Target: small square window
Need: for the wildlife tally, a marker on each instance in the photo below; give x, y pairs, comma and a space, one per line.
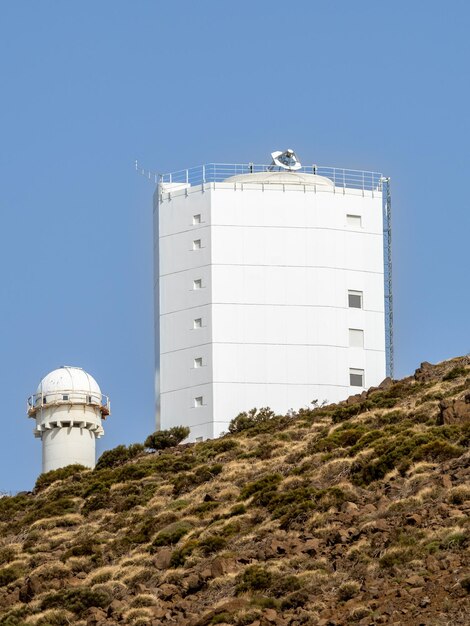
199, 439
198, 401
197, 323
356, 338
65, 397
354, 220
197, 284
355, 299
196, 219
197, 244
356, 378
198, 362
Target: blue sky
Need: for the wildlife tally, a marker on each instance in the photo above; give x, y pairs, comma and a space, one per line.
87, 87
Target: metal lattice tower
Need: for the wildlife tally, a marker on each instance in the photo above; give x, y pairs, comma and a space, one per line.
387, 213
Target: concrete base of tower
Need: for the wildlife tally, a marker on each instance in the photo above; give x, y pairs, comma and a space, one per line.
68, 446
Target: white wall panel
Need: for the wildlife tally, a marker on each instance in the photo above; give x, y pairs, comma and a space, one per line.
276, 265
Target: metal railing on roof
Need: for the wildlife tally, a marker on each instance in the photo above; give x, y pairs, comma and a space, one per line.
38, 401
220, 172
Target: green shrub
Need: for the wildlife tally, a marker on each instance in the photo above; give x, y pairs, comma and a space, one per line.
170, 535
118, 456
246, 619
343, 412
203, 474
344, 436
76, 600
50, 508
264, 451
162, 439
14, 617
221, 618
247, 420
131, 472
295, 600
348, 590
96, 502
205, 507
9, 575
142, 601
455, 372
55, 618
212, 544
142, 533
458, 495
179, 556
237, 509
378, 399
10, 505
294, 507
7, 554
399, 447
396, 556
262, 489
209, 449
284, 584
44, 480
429, 397
85, 546
457, 539
254, 578
436, 451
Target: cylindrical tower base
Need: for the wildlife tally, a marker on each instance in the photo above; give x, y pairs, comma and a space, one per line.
67, 445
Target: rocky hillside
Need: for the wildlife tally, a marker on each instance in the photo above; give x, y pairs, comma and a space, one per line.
355, 513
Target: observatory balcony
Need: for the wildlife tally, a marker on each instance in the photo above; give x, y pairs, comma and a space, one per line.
39, 401
220, 172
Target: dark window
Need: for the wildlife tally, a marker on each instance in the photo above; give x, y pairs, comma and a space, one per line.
355, 299
356, 378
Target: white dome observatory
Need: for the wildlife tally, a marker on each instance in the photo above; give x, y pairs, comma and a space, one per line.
68, 407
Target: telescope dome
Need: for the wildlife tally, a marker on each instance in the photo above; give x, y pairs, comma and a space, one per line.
69, 380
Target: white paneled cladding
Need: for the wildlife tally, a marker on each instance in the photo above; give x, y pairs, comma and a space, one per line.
356, 338
268, 295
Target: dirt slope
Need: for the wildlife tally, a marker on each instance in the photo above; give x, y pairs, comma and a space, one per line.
347, 514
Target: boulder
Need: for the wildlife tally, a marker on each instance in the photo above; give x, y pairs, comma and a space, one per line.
95, 616
167, 591
424, 372
454, 411
220, 567
163, 558
350, 507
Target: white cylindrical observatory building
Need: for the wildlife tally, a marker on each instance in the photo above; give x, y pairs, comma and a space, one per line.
270, 289
68, 407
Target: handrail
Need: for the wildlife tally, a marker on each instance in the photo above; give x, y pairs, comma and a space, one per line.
75, 396
219, 172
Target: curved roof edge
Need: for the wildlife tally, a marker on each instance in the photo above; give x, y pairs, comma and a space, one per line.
281, 178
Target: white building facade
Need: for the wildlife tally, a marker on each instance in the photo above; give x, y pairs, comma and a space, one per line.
269, 291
